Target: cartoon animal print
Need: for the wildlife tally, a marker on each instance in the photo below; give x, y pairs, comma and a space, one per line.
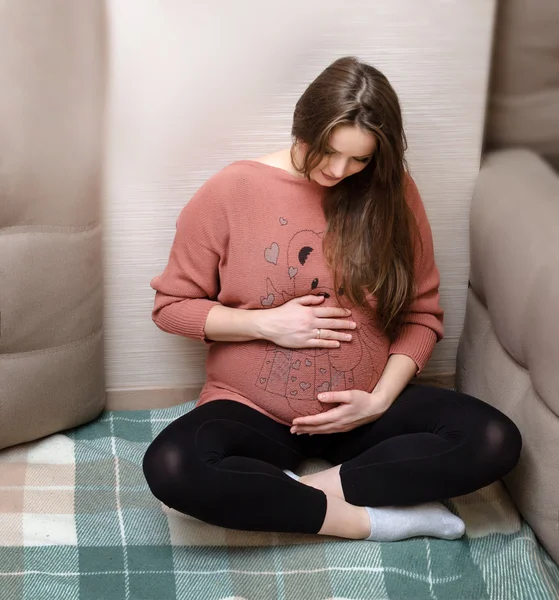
300, 375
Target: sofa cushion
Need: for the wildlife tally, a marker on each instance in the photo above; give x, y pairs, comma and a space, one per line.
55, 296
524, 95
514, 241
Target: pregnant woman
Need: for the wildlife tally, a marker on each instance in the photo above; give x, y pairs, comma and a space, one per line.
310, 275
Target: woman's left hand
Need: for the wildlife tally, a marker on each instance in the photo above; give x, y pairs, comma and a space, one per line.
355, 408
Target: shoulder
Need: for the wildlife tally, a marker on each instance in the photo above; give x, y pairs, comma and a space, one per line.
414, 201
239, 174
416, 206
231, 184
411, 192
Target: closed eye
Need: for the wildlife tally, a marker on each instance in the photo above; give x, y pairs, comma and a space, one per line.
361, 159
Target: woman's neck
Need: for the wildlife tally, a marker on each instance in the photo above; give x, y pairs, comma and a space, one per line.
282, 160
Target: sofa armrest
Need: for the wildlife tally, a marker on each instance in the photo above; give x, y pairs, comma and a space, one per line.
509, 348
514, 239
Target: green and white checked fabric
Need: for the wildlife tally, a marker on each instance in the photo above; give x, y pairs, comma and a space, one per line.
77, 521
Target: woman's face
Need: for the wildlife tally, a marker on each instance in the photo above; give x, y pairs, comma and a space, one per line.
348, 152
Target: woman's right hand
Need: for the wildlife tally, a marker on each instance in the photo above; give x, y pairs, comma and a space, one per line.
295, 324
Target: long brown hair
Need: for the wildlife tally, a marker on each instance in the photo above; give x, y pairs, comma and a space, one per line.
370, 232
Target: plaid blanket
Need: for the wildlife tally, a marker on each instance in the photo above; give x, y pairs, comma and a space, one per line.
77, 521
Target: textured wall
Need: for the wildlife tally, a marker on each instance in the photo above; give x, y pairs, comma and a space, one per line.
194, 88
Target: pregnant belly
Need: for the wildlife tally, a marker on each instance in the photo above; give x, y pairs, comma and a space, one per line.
286, 382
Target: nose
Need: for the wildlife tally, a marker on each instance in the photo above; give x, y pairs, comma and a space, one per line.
337, 166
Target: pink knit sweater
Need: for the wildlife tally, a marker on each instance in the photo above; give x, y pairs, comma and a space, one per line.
251, 238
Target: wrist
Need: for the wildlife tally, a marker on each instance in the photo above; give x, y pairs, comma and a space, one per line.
380, 398
256, 324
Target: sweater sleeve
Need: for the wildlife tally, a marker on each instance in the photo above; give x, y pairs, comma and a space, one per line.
187, 289
423, 323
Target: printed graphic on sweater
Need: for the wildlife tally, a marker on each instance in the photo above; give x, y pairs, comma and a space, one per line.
300, 375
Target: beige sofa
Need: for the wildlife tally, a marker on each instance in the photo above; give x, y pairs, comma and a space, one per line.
51, 292
509, 349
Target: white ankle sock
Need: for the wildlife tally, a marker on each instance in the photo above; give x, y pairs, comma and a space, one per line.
391, 523
291, 474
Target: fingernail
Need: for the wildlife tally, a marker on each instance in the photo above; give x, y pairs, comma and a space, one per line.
353, 325
348, 337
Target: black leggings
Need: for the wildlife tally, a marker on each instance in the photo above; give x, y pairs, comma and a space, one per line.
222, 462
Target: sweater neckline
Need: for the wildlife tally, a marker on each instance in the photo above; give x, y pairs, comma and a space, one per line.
282, 173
